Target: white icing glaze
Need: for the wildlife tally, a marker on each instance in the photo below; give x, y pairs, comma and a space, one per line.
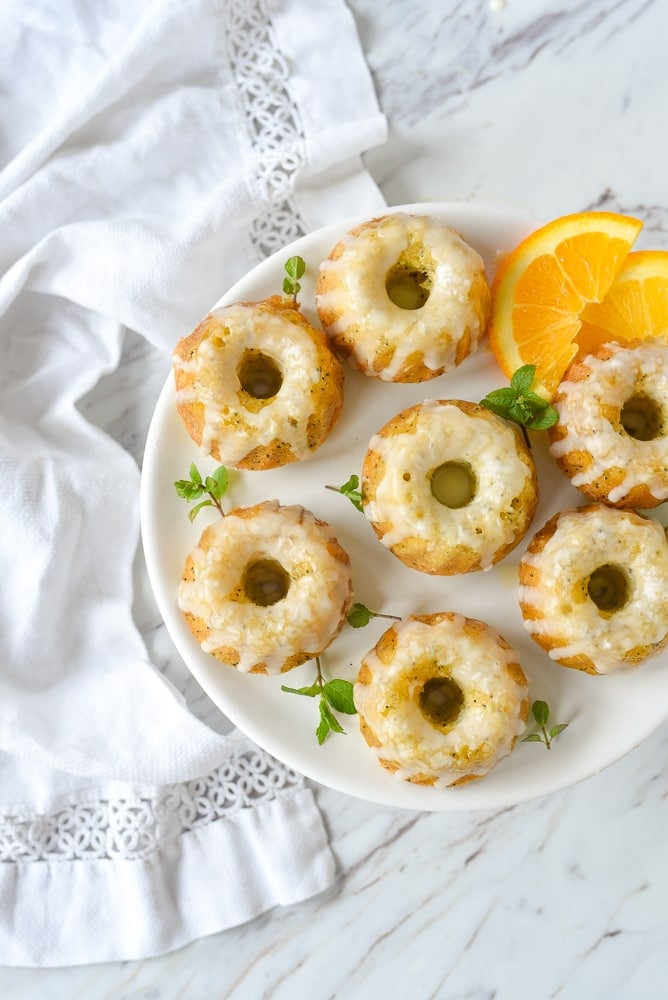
583, 541
236, 429
305, 620
490, 717
630, 371
362, 301
444, 433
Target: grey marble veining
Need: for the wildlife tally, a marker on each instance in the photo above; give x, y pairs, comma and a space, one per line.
552, 107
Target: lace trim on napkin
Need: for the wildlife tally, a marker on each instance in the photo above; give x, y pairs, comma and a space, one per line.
132, 828
272, 120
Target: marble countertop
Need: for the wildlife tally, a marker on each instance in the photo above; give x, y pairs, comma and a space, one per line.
552, 108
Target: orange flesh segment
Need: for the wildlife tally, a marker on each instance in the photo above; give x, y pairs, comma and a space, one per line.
636, 306
546, 285
592, 261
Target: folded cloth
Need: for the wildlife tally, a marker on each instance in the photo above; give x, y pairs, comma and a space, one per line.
150, 154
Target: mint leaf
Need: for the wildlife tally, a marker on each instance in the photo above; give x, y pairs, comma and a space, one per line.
339, 694
216, 485
535, 401
331, 720
519, 412
322, 732
336, 693
501, 397
543, 419
328, 723
541, 712
311, 691
194, 511
222, 478
500, 409
191, 489
350, 489
188, 490
523, 378
295, 268
359, 616
518, 403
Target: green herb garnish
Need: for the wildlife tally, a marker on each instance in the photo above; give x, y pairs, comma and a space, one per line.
295, 268
541, 713
336, 694
350, 490
214, 486
359, 616
518, 403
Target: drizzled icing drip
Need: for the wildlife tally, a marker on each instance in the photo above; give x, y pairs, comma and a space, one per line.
359, 299
557, 607
494, 692
589, 418
227, 420
304, 621
403, 499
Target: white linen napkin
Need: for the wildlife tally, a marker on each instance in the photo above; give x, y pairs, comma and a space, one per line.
150, 154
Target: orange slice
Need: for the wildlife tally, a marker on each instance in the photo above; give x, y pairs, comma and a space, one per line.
636, 306
542, 288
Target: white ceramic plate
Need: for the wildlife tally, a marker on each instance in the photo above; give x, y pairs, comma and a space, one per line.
607, 716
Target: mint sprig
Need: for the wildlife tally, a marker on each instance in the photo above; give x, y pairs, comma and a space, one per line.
213, 486
517, 402
295, 268
359, 616
351, 490
541, 713
335, 696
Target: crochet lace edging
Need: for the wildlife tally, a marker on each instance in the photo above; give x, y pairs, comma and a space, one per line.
133, 827
272, 121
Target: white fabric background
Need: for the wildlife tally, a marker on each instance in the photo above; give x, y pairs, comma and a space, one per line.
150, 154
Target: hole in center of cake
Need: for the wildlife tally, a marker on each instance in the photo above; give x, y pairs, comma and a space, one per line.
265, 582
453, 484
641, 418
409, 281
608, 588
259, 375
441, 700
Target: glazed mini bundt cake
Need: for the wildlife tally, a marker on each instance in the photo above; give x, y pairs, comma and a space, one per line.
403, 297
256, 385
593, 588
441, 699
611, 438
449, 487
266, 588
